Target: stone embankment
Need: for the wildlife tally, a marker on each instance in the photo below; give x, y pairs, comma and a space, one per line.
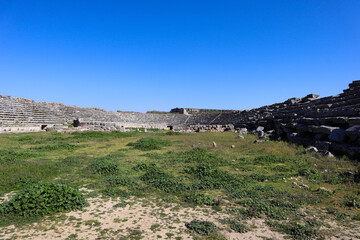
330, 123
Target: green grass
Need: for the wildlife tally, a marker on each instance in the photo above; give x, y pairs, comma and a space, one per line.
148, 144
254, 179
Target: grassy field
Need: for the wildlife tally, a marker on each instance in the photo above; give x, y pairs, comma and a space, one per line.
182, 185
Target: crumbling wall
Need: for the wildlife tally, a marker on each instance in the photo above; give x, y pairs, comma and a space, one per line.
329, 123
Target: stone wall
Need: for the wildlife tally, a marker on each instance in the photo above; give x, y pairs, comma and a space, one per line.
329, 123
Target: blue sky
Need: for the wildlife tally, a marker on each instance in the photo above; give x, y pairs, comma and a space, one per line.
156, 55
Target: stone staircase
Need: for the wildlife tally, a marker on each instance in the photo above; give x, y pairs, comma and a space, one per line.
22, 113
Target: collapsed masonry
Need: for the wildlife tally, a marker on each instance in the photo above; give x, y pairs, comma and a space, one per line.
329, 123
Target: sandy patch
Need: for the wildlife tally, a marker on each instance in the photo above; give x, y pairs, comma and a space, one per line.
149, 218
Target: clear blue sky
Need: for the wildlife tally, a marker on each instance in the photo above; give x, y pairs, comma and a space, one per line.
156, 55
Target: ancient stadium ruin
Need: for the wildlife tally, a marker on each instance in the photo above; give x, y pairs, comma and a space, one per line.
331, 124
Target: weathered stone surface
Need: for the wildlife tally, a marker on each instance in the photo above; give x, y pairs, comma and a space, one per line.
338, 135
322, 145
260, 128
243, 131
354, 121
260, 134
322, 129
302, 128
353, 131
320, 136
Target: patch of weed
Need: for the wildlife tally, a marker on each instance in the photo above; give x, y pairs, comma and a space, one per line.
42, 199
164, 181
203, 228
104, 166
199, 198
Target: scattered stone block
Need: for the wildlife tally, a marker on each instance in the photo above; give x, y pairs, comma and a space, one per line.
311, 149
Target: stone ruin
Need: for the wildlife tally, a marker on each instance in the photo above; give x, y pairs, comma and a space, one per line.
329, 124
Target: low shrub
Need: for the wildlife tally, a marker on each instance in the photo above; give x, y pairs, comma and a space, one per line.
42, 199
104, 166
351, 201
144, 166
211, 177
203, 228
297, 231
25, 181
199, 155
164, 181
239, 227
274, 209
200, 198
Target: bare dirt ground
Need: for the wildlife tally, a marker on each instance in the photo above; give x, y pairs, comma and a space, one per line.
133, 219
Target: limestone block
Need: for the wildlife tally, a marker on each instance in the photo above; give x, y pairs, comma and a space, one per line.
353, 131
322, 129
354, 121
338, 135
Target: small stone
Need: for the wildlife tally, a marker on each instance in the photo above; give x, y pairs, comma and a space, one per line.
214, 144
304, 186
259, 128
232, 146
324, 189
233, 160
260, 134
194, 145
243, 131
303, 214
311, 149
329, 154
236, 169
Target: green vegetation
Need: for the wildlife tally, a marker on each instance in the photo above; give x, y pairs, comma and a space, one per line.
203, 228
104, 166
148, 144
251, 181
42, 199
